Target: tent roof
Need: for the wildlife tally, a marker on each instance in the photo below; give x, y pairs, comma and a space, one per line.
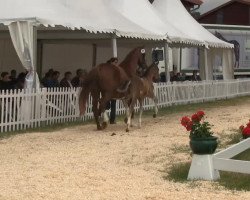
174, 12
94, 16
142, 12
127, 18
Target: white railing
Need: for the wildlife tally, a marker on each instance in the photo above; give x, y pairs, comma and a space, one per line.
21, 109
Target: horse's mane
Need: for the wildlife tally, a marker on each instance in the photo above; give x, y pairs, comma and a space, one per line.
126, 61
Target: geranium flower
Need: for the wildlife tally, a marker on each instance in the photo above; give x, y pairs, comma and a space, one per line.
195, 118
200, 113
196, 128
185, 120
246, 131
189, 126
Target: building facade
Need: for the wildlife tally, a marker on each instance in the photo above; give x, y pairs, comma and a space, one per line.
235, 12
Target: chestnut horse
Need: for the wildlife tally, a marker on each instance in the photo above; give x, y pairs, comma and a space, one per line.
110, 81
139, 89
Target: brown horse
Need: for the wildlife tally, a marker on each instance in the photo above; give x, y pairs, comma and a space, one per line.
139, 89
110, 81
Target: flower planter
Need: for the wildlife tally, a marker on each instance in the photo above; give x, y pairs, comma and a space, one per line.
203, 146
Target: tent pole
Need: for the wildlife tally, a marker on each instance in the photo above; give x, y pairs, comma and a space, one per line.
179, 68
114, 46
35, 54
205, 63
166, 50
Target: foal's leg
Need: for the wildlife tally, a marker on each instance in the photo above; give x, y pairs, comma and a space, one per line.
129, 113
140, 111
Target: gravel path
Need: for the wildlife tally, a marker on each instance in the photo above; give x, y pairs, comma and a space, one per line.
81, 163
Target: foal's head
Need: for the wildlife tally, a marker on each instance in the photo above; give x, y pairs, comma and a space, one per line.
153, 72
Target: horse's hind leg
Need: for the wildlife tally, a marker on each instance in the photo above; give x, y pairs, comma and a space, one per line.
96, 113
156, 107
102, 109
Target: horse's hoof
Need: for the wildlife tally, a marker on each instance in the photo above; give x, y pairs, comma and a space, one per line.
99, 128
154, 115
127, 130
104, 125
126, 120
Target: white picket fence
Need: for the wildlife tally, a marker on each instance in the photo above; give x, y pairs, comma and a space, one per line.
22, 109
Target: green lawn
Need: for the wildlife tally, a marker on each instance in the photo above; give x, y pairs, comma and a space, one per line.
229, 180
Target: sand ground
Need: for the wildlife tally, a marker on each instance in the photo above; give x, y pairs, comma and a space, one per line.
81, 163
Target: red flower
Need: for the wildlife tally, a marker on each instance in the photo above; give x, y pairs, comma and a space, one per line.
246, 131
200, 113
189, 126
185, 120
195, 118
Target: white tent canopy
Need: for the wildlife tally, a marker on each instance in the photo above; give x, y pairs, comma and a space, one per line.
142, 12
94, 16
174, 12
126, 18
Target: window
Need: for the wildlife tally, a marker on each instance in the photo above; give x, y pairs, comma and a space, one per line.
157, 55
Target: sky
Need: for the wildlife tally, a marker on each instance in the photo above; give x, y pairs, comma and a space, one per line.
210, 4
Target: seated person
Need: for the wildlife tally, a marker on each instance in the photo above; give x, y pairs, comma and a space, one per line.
66, 81
195, 77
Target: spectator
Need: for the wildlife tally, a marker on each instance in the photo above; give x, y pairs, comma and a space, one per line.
20, 81
77, 81
54, 79
5, 83
47, 80
66, 81
174, 76
195, 77
13, 76
112, 103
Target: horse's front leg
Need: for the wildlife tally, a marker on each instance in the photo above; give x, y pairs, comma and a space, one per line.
156, 107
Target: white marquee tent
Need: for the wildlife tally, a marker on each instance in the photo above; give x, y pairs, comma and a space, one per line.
175, 12
126, 18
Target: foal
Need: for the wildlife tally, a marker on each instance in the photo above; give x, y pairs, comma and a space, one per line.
139, 89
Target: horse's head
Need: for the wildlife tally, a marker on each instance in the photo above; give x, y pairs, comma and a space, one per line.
153, 72
135, 58
140, 55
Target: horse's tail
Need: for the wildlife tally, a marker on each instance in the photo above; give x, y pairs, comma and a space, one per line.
84, 95
83, 98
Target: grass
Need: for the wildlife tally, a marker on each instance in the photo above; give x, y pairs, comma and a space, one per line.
180, 149
229, 139
232, 181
